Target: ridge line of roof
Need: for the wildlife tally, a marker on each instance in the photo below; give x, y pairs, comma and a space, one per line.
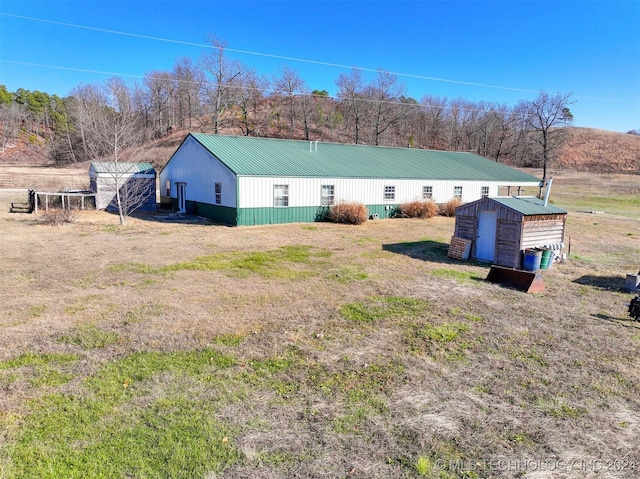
242, 137
258, 156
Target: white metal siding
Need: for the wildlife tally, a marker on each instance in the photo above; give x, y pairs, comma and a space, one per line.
257, 192
200, 170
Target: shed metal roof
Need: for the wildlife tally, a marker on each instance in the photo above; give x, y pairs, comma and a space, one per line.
122, 167
250, 156
528, 206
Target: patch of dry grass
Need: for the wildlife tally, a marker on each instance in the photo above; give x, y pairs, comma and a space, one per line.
386, 359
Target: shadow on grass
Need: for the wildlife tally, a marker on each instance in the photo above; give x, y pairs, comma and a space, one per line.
170, 217
428, 250
627, 322
607, 283
425, 250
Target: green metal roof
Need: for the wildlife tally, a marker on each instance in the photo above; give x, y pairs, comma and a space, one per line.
250, 156
121, 167
529, 206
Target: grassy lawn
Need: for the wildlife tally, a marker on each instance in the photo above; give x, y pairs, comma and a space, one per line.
187, 350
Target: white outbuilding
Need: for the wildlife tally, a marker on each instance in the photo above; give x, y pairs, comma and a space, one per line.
136, 181
243, 181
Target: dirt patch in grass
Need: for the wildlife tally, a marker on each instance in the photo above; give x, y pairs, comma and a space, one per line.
314, 350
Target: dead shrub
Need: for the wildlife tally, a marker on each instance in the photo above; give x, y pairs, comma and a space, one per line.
418, 209
348, 213
449, 208
58, 217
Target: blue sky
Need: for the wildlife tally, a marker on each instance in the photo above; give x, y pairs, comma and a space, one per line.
498, 51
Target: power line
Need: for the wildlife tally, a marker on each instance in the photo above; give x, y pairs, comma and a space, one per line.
280, 57
267, 55
359, 98
470, 107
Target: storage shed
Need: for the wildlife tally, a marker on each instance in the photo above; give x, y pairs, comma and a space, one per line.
245, 181
501, 229
136, 181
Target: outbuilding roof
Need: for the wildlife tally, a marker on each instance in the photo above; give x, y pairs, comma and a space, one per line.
528, 205
121, 167
251, 156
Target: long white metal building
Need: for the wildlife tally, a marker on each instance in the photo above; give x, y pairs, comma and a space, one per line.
244, 181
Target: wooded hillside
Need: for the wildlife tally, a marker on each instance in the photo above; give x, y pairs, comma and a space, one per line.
149, 122
586, 149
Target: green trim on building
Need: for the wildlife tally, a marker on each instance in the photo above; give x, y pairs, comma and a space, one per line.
383, 211
168, 202
309, 214
217, 213
291, 214
267, 216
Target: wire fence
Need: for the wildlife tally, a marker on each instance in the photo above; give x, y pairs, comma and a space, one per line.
44, 182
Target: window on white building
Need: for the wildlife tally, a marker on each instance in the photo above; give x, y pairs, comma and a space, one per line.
280, 195
327, 195
457, 192
168, 187
389, 193
218, 193
485, 191
427, 192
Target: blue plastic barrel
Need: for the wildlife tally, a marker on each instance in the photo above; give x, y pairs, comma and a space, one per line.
531, 260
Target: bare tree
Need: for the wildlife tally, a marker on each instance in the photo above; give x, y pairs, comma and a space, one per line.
189, 81
160, 91
291, 86
435, 110
351, 93
225, 75
334, 119
407, 129
11, 116
384, 95
112, 131
250, 95
544, 115
501, 129
308, 106
87, 102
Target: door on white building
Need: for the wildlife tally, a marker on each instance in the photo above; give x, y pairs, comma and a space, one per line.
181, 192
486, 239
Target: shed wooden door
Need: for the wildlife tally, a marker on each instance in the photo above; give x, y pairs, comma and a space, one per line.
486, 239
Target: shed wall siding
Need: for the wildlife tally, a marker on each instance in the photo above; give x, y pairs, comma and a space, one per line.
466, 227
508, 243
104, 185
540, 233
105, 192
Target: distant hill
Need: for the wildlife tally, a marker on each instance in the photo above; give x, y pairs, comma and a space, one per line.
599, 151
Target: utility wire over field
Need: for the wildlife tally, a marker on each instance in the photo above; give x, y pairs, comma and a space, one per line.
226, 95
